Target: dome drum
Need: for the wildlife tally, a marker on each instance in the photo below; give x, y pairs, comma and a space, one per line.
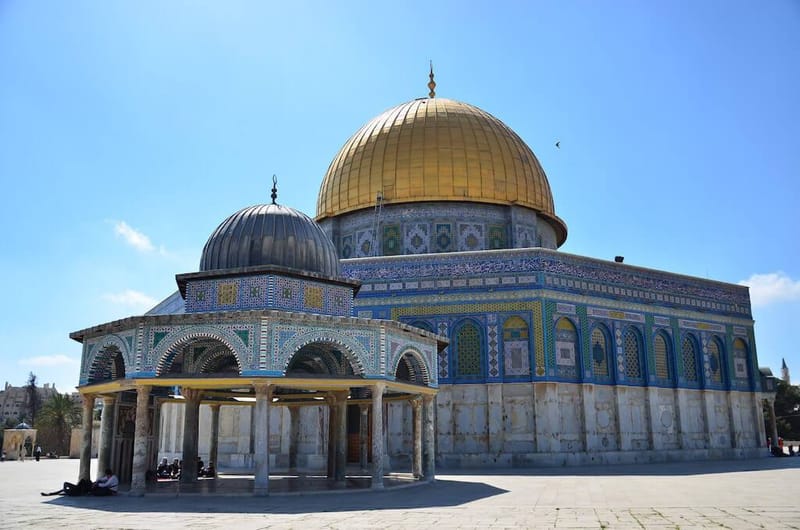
436, 150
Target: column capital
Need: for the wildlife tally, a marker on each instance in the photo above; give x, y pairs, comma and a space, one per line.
214, 406
428, 398
263, 390
109, 400
88, 398
144, 389
378, 387
193, 395
416, 402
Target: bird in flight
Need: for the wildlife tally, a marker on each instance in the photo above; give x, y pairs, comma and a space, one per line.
558, 144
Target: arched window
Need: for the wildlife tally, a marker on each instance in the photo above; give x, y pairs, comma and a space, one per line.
661, 352
715, 360
689, 357
468, 350
566, 345
633, 349
515, 347
600, 351
740, 369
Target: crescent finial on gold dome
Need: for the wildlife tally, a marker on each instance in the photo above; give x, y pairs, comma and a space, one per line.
274, 189
431, 84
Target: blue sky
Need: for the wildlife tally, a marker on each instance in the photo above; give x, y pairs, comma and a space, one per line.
129, 130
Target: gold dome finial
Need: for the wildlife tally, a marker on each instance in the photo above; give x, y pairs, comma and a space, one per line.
432, 84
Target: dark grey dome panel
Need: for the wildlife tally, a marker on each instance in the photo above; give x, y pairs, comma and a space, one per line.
270, 234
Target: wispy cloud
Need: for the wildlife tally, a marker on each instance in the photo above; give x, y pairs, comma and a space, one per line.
131, 298
772, 287
133, 237
49, 360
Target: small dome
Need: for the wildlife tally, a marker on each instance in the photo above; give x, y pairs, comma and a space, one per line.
436, 149
23, 426
270, 234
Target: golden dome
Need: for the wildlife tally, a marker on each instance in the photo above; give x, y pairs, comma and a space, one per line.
435, 149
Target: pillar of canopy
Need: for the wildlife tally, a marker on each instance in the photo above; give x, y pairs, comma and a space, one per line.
84, 469
337, 390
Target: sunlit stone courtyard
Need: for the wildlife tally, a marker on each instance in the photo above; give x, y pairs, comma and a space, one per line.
760, 493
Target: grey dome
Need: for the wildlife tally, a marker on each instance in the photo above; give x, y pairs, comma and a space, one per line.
270, 234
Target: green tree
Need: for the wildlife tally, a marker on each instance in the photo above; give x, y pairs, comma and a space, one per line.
58, 416
33, 398
787, 410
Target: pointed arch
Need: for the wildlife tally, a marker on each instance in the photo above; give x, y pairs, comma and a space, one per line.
662, 353
689, 358
600, 344
632, 347
174, 342
567, 348
468, 349
411, 367
741, 358
716, 369
516, 347
352, 350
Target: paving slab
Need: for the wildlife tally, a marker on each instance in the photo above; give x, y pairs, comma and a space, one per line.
758, 493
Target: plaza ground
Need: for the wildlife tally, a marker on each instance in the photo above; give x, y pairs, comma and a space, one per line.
761, 493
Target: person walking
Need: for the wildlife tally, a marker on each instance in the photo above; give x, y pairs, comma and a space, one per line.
37, 453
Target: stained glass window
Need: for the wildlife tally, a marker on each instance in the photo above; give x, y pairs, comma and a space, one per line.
599, 352
689, 354
515, 347
661, 351
633, 368
468, 355
714, 361
566, 340
740, 359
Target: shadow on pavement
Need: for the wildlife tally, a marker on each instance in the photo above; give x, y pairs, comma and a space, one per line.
441, 493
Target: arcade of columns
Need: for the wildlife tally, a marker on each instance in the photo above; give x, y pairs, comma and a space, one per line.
422, 404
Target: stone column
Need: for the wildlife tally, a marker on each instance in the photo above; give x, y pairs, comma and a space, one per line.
416, 420
294, 435
214, 442
261, 426
84, 471
377, 435
142, 429
341, 437
106, 434
429, 471
363, 436
191, 426
330, 399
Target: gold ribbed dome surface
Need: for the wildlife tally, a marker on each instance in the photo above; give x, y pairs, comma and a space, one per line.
435, 149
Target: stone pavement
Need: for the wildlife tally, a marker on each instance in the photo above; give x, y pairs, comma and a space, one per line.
759, 493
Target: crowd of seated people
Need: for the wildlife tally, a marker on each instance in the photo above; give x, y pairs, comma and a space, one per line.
165, 470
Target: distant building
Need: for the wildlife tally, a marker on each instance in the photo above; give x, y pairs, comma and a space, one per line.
14, 399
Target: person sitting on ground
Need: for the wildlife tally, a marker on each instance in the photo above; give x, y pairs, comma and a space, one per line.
176, 469
200, 466
106, 485
209, 471
72, 490
163, 470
